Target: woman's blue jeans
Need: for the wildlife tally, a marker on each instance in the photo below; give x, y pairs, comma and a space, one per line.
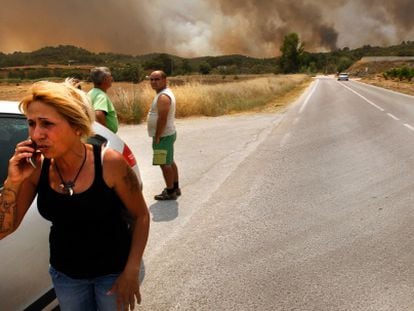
84, 294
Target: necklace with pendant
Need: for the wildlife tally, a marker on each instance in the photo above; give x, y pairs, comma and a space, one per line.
67, 186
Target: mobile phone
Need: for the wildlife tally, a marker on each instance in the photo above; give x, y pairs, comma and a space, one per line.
32, 159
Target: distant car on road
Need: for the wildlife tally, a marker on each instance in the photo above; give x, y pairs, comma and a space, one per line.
24, 255
343, 76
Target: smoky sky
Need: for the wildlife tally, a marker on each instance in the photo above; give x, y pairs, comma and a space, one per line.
191, 28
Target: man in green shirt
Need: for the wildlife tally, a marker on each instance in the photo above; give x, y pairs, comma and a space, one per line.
104, 109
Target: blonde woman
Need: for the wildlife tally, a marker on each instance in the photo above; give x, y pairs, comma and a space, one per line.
94, 258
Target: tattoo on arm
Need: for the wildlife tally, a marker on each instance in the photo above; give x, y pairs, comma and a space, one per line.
8, 209
131, 179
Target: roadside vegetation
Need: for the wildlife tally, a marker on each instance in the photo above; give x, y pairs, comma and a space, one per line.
197, 95
403, 73
197, 98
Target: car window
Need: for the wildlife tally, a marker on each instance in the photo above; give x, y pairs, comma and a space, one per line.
13, 129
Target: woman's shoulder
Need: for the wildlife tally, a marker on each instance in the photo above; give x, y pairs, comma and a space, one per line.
112, 158
114, 165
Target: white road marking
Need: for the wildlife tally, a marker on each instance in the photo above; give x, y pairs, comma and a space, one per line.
308, 97
409, 126
392, 116
363, 97
384, 89
378, 107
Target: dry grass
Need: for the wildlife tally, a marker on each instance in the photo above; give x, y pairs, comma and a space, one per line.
225, 98
210, 95
198, 96
13, 91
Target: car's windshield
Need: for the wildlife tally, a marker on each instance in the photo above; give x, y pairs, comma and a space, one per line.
13, 129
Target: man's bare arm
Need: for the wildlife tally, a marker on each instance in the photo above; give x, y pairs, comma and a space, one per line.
100, 117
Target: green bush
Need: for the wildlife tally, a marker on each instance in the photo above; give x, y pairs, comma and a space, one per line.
404, 73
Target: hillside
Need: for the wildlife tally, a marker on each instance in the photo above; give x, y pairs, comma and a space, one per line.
65, 60
66, 55
368, 66
371, 70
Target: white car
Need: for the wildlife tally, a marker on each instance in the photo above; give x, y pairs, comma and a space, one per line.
24, 255
343, 77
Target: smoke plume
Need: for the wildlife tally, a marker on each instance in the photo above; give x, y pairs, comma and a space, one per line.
203, 27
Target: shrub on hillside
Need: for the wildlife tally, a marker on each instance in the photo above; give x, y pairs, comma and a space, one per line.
403, 73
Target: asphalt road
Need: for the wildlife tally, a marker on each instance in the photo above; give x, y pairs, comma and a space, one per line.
310, 209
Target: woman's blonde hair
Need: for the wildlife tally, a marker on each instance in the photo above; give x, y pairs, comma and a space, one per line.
70, 102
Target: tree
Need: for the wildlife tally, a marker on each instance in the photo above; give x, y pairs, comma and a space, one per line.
344, 63
16, 74
131, 73
162, 62
204, 68
292, 50
186, 67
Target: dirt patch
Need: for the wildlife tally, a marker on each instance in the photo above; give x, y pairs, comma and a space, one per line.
371, 66
13, 91
394, 85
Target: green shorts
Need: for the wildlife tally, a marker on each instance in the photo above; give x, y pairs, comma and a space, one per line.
164, 151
